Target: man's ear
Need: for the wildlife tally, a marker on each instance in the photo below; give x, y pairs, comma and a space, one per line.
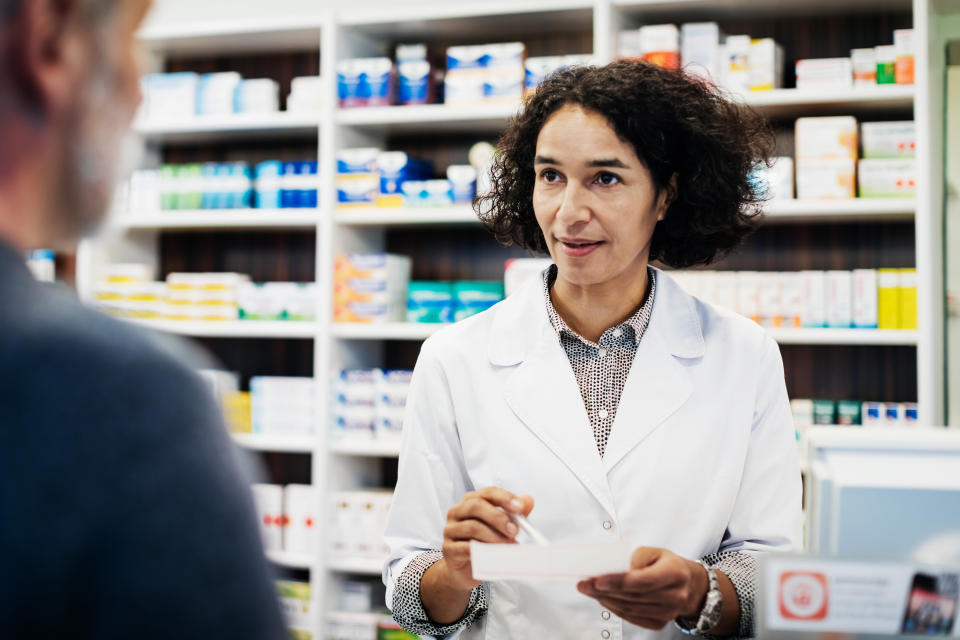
43, 52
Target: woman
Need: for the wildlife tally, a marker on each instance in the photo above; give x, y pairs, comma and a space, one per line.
625, 408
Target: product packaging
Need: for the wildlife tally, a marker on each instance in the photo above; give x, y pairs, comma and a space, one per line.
908, 298
736, 69
427, 193
766, 64
392, 388
864, 67
268, 500
470, 298
518, 271
414, 75
829, 137
886, 64
365, 82
463, 182
216, 92
865, 299
748, 294
903, 64
839, 299
848, 413
660, 44
824, 412
283, 405
267, 184
430, 302
371, 287
888, 299
824, 73
301, 529
888, 139
791, 300
257, 95
306, 95
873, 414
887, 178
700, 49
769, 308
826, 178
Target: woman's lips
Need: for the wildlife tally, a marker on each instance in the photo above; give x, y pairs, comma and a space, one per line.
579, 248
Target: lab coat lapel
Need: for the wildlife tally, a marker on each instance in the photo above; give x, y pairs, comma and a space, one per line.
542, 391
658, 383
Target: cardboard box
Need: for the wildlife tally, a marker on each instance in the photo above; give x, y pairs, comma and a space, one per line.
826, 179
888, 139
865, 299
660, 44
813, 286
766, 65
903, 64
736, 67
700, 50
908, 298
864, 67
830, 137
887, 178
839, 299
888, 299
824, 72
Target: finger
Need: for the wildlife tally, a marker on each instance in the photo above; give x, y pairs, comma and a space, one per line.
474, 530
527, 504
479, 508
505, 499
644, 557
657, 576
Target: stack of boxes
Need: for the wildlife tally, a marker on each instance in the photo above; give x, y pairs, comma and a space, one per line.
537, 69
178, 96
887, 168
297, 607
819, 412
287, 301
859, 299
221, 185
203, 296
288, 517
358, 520
826, 155
369, 405
432, 302
414, 75
887, 64
365, 82
283, 405
485, 74
370, 287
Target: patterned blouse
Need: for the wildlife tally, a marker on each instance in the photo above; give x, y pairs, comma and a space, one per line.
601, 370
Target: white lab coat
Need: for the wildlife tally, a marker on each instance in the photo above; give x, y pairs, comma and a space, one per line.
701, 457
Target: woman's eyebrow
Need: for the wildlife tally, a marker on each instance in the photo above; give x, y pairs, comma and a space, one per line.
545, 160
612, 162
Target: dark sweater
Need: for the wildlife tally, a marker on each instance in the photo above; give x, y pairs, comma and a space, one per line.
124, 509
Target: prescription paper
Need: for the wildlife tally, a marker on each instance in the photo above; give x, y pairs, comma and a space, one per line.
548, 561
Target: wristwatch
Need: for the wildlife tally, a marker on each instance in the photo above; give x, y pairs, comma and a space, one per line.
712, 607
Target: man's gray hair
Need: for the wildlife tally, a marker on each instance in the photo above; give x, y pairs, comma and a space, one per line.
92, 9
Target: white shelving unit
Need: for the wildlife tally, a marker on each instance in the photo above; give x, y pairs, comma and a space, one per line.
217, 219
355, 31
276, 443
234, 329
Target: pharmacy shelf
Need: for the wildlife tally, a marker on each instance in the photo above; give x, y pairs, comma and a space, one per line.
278, 443
360, 566
230, 127
385, 330
406, 216
292, 560
234, 328
231, 35
371, 449
848, 337
436, 118
217, 219
689, 10
414, 331
776, 104
794, 103
850, 210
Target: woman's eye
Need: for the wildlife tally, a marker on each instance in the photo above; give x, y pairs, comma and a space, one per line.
607, 179
549, 175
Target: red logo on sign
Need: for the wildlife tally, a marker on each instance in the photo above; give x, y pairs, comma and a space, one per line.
804, 596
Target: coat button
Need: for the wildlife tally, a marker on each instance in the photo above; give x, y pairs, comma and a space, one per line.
607, 525
604, 634
605, 615
617, 333
603, 413
601, 352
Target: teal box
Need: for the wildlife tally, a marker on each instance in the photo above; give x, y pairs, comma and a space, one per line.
430, 302
470, 298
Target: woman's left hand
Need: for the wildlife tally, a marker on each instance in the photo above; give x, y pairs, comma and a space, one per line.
659, 588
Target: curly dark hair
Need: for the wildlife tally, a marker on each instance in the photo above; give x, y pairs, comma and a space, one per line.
677, 124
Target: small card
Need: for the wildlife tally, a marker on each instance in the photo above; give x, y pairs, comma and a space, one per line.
548, 561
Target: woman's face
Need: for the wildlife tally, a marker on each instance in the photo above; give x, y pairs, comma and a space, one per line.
594, 200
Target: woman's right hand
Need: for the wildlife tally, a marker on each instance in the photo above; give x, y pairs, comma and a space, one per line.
477, 517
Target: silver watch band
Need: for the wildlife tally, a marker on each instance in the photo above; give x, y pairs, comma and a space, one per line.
712, 607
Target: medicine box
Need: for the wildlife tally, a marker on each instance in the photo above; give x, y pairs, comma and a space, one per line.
829, 137
736, 66
903, 63
864, 62
430, 302
839, 299
257, 95
463, 182
427, 193
268, 501
216, 92
886, 56
888, 299
766, 65
824, 72
888, 139
518, 272
908, 298
470, 298
700, 49
395, 168
776, 181
865, 299
301, 529
887, 178
660, 44
826, 178
363, 82
813, 285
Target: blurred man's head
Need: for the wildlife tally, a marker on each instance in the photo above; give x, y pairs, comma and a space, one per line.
69, 87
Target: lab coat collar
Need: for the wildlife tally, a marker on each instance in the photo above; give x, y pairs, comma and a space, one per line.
543, 392
522, 317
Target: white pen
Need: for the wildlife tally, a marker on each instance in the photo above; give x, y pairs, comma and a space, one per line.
527, 528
